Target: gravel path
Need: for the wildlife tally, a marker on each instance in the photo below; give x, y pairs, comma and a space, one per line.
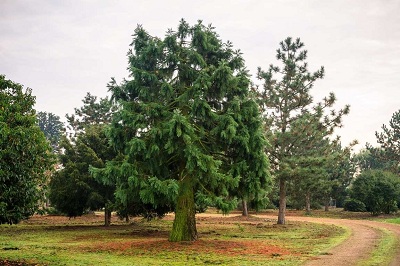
365, 235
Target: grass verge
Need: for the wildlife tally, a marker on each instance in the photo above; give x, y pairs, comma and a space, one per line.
393, 220
385, 251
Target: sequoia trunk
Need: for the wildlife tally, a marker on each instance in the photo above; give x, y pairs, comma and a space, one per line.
184, 227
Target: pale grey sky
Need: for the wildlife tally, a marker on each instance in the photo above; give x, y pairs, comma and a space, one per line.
63, 49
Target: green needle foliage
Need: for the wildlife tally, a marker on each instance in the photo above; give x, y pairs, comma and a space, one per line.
25, 155
186, 128
389, 139
295, 124
73, 190
321, 173
94, 112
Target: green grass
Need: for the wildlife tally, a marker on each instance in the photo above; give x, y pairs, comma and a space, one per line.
393, 220
385, 251
223, 241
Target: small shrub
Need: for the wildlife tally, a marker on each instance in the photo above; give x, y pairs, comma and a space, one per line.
52, 211
353, 205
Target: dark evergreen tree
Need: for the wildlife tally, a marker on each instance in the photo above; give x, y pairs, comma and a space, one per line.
379, 190
293, 122
187, 126
341, 169
25, 155
72, 189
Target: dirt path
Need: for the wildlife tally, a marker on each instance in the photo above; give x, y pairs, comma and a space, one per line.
364, 237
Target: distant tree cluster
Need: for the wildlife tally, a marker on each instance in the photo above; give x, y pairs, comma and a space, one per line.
378, 185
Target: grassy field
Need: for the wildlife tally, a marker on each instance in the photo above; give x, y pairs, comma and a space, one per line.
54, 240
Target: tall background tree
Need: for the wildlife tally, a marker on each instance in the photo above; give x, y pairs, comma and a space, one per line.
25, 155
389, 140
371, 158
72, 189
52, 128
292, 118
186, 125
341, 170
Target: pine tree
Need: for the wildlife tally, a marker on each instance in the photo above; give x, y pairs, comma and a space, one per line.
324, 172
291, 118
93, 112
389, 139
340, 168
186, 126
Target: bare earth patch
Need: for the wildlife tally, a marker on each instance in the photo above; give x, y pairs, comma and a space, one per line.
220, 247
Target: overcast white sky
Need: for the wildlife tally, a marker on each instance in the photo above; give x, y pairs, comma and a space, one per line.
64, 49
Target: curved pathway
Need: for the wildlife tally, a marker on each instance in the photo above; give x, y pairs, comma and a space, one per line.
365, 235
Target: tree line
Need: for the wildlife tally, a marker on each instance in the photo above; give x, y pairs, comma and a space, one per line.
189, 129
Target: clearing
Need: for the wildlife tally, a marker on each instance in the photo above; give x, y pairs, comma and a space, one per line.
223, 239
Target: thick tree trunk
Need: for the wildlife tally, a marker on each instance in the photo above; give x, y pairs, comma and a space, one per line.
282, 202
107, 216
184, 227
244, 206
308, 202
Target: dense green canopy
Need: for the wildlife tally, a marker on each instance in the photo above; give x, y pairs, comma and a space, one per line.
25, 155
186, 126
73, 190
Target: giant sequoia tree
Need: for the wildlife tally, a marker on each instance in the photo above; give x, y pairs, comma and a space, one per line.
25, 155
186, 125
293, 120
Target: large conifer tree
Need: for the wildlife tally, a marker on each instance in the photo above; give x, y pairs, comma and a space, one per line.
186, 125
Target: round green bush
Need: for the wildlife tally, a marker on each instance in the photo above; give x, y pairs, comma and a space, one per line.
353, 205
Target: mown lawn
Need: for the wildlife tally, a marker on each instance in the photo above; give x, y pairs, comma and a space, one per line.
52, 240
